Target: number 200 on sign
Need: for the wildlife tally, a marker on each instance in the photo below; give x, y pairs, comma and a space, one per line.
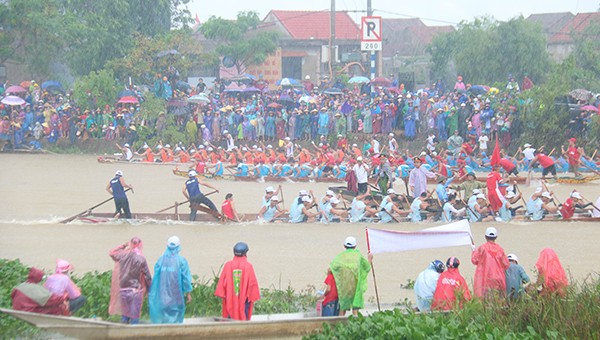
370, 46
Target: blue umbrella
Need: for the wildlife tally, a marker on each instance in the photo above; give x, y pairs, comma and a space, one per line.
51, 83
358, 80
287, 82
333, 91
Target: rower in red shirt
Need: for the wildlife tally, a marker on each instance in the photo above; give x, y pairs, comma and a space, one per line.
567, 209
493, 188
573, 157
508, 166
148, 155
228, 209
546, 162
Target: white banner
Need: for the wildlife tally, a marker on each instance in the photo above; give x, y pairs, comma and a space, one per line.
448, 235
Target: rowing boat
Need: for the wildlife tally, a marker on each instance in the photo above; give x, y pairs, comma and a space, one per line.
293, 325
113, 160
577, 180
142, 217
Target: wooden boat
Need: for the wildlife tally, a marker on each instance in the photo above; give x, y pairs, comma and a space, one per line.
111, 160
260, 327
577, 180
147, 217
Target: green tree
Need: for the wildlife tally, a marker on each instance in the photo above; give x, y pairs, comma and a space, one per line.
97, 89
485, 51
587, 49
144, 60
240, 39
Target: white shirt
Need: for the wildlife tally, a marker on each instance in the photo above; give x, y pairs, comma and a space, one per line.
483, 142
529, 153
375, 145
362, 172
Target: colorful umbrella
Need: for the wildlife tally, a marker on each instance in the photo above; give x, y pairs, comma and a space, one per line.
199, 98
274, 106
287, 82
381, 81
251, 89
51, 83
15, 89
358, 80
581, 94
12, 100
128, 100
126, 93
589, 108
333, 91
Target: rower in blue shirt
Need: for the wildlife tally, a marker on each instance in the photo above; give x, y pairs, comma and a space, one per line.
116, 187
191, 190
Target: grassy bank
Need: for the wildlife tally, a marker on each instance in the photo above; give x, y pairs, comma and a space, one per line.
534, 317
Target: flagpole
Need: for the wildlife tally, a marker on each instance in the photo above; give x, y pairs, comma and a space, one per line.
373, 270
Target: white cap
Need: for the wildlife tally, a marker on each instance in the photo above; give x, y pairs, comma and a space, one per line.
491, 232
146, 146
244, 148
126, 145
303, 193
546, 194
259, 149
210, 149
203, 126
200, 146
177, 149
159, 147
359, 158
354, 145
577, 195
329, 193
306, 199
119, 173
476, 191
350, 242
527, 145
423, 153
275, 198
270, 189
391, 191
192, 173
173, 242
168, 146
510, 194
482, 196
192, 150
225, 132
287, 138
512, 257
391, 134
254, 146
269, 146
334, 200
340, 136
538, 190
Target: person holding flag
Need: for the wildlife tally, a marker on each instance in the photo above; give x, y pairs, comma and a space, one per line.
493, 181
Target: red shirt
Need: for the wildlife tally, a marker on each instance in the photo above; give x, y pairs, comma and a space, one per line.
545, 161
332, 295
227, 210
568, 209
506, 164
573, 155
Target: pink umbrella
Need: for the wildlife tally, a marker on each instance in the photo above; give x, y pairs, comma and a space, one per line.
12, 100
380, 81
128, 100
15, 89
589, 108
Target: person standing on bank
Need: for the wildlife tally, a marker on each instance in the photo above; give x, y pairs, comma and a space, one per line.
237, 286
116, 187
191, 191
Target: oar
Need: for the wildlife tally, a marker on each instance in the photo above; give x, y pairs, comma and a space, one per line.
184, 202
89, 209
281, 193
593, 155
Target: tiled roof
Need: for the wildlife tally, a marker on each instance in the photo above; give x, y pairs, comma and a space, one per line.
306, 25
551, 22
577, 24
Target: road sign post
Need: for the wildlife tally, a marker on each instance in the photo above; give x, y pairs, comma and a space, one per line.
370, 29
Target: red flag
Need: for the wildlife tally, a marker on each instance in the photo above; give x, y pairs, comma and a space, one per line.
495, 160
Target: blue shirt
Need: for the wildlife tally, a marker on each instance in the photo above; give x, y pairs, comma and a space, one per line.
192, 187
117, 188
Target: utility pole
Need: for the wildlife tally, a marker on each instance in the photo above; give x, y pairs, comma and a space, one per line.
370, 13
331, 37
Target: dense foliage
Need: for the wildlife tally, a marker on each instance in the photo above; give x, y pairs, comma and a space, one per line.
550, 317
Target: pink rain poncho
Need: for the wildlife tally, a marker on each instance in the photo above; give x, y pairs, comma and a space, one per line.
172, 279
238, 289
491, 269
131, 279
451, 290
552, 273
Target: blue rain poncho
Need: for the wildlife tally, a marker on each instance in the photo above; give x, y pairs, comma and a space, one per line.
425, 285
172, 279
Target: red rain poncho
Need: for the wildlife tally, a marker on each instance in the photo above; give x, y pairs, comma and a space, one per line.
554, 278
493, 178
238, 285
131, 280
451, 288
31, 296
491, 269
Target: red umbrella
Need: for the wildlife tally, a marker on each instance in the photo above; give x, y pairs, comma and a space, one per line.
128, 100
274, 106
15, 89
381, 81
589, 108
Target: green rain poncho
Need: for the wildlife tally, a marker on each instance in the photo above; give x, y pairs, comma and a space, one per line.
350, 271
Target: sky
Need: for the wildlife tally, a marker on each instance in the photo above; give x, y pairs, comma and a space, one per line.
432, 12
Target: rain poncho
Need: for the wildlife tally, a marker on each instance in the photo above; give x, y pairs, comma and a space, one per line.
238, 288
130, 280
172, 279
425, 286
515, 277
31, 296
491, 269
350, 271
451, 285
554, 278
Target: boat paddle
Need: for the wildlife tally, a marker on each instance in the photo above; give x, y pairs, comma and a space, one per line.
184, 202
89, 210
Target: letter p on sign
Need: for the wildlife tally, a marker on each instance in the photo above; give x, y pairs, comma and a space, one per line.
371, 29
